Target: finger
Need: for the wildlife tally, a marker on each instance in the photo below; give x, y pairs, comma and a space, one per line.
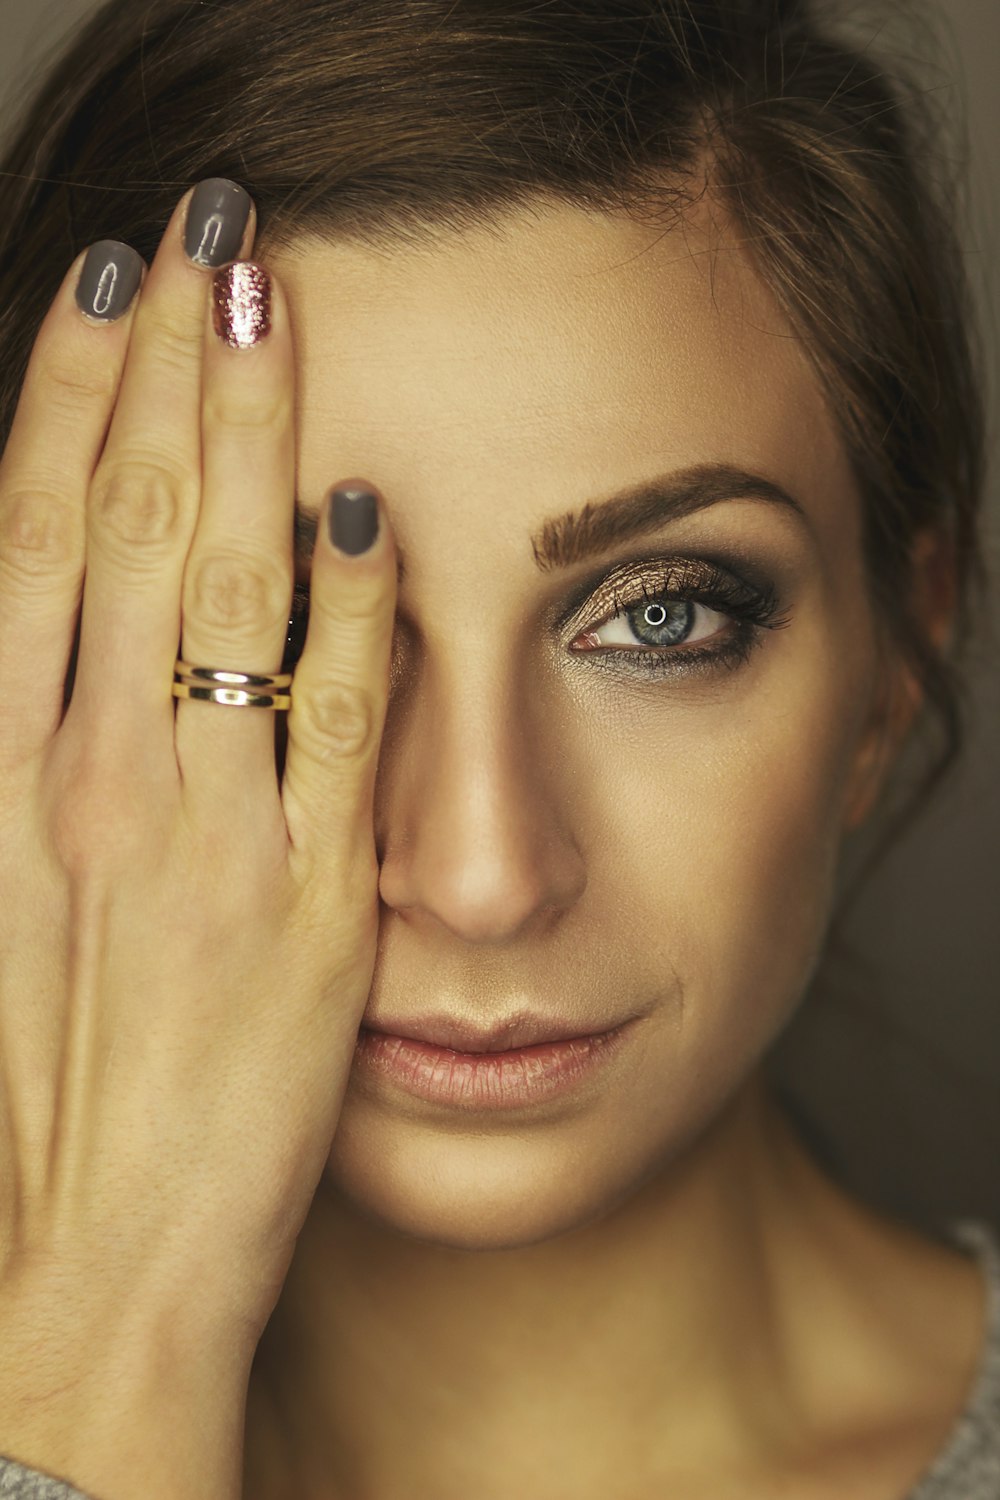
239, 577
340, 689
62, 416
144, 498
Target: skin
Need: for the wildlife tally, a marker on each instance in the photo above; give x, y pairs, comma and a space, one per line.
650, 1277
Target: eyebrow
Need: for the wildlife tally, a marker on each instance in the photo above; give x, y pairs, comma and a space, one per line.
599, 525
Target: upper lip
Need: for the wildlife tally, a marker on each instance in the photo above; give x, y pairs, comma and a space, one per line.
521, 1030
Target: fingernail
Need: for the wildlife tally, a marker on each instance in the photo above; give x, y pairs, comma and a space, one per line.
241, 304
109, 278
353, 520
216, 218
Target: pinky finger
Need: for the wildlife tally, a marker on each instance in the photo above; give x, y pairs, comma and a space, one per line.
55, 440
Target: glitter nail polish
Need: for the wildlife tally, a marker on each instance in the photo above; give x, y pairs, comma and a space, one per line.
241, 304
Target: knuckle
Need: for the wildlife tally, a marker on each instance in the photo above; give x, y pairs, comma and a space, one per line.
246, 410
177, 342
235, 593
38, 531
364, 606
334, 719
75, 386
91, 832
136, 502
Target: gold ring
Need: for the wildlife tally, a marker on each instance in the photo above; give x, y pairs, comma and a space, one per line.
237, 689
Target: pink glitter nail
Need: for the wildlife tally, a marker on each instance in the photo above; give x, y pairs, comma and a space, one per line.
241, 304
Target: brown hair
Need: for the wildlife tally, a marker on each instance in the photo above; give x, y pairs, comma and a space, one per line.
391, 120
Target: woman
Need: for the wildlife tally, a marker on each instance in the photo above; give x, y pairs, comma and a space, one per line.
384, 1107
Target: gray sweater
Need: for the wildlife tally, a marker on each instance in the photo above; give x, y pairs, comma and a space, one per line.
967, 1467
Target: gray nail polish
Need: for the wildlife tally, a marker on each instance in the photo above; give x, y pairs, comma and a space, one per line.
216, 218
109, 279
353, 520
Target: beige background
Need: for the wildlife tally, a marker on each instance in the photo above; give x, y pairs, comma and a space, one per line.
896, 1054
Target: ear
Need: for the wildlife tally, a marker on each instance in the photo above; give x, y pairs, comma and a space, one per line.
898, 697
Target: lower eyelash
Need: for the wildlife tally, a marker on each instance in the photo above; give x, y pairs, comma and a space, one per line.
658, 660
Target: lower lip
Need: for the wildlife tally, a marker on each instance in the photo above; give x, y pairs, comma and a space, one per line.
485, 1080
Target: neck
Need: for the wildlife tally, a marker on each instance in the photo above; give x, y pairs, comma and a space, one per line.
674, 1327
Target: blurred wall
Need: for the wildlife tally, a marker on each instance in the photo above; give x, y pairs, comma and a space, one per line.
895, 1056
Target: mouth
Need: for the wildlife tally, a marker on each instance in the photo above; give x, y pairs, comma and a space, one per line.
474, 1070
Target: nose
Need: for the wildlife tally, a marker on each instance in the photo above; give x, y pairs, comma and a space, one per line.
473, 809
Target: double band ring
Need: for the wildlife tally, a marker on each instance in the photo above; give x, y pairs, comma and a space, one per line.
239, 689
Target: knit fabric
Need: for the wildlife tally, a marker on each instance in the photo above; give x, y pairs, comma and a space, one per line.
18, 1482
966, 1468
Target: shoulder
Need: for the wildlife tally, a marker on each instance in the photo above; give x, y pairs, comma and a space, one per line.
936, 1433
966, 1464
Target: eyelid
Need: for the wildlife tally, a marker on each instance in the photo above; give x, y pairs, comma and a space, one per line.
592, 601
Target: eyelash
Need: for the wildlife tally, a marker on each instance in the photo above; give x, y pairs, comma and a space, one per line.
751, 609
295, 638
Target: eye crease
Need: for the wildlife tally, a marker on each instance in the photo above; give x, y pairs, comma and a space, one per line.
647, 598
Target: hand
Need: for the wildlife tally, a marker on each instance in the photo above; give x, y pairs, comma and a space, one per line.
186, 947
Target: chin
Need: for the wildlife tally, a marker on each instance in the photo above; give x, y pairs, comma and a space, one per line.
470, 1190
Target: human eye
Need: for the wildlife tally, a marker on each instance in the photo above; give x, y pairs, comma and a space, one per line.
654, 617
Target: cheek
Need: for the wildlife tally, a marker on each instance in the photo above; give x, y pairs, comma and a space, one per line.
737, 837
753, 935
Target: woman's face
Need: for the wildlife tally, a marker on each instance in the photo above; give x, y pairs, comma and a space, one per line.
561, 829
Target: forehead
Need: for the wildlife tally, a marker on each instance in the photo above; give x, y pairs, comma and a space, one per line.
559, 353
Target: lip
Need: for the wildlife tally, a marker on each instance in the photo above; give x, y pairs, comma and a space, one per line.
485, 1079
523, 1029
